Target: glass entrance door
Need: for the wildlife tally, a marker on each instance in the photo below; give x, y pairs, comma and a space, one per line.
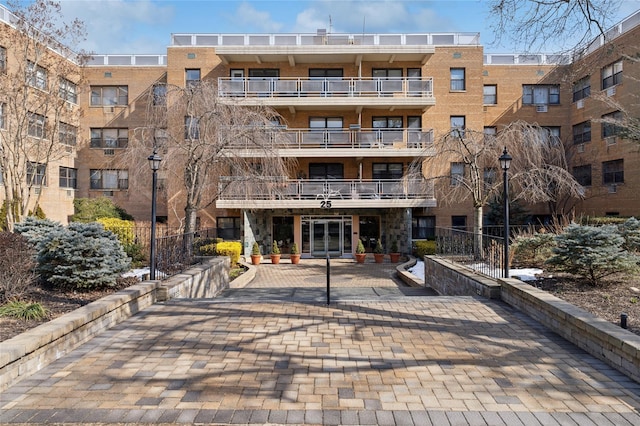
326, 238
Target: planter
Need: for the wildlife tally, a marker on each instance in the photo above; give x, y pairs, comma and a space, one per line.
379, 258
360, 257
275, 258
295, 258
395, 257
255, 259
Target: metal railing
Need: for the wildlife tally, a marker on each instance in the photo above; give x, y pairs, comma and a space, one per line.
175, 253
350, 87
481, 253
343, 138
321, 189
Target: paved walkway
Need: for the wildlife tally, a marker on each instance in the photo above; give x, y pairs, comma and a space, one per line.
282, 356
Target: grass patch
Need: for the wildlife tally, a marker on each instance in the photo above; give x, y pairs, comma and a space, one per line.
23, 310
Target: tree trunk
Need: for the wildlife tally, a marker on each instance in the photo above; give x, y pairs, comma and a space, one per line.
477, 232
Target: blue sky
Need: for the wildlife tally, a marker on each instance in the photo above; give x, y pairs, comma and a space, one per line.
145, 26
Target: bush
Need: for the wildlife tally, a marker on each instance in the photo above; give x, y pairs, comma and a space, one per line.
274, 248
81, 256
592, 252
360, 248
17, 266
630, 231
378, 248
208, 249
255, 250
533, 249
124, 230
23, 310
233, 249
35, 230
91, 209
425, 248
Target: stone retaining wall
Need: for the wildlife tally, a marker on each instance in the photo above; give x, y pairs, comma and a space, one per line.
31, 351
617, 347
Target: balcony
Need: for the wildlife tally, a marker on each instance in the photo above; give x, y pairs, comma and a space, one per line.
352, 92
319, 193
347, 143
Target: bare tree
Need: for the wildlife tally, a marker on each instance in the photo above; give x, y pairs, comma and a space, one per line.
464, 165
39, 101
210, 146
532, 24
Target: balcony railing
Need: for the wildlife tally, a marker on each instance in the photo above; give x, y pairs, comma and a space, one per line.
320, 189
324, 87
343, 138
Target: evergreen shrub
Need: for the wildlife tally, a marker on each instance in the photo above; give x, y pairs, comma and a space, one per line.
81, 256
630, 231
35, 230
592, 252
533, 249
425, 248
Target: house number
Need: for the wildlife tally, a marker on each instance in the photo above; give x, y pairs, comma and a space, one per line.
325, 204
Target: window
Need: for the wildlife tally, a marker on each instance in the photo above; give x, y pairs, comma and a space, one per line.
541, 94
36, 174
457, 79
326, 171
109, 179
613, 172
228, 228
458, 125
3, 60
582, 132
109, 95
388, 80
423, 227
264, 73
109, 138
581, 89
490, 132
159, 94
610, 126
68, 178
612, 75
325, 72
457, 173
36, 125
489, 175
67, 134
323, 123
490, 94
68, 91
387, 170
191, 128
36, 76
459, 222
192, 77
582, 174
386, 122
550, 134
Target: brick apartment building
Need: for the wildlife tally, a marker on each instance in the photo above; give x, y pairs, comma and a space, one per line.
357, 110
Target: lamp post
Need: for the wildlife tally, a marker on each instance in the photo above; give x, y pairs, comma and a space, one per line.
154, 163
505, 163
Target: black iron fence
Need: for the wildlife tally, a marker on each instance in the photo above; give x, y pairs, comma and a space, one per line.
175, 253
482, 253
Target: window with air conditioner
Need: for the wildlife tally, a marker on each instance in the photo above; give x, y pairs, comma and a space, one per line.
581, 89
36, 76
613, 172
36, 125
68, 91
582, 132
36, 174
611, 125
68, 177
67, 134
109, 179
109, 138
612, 74
541, 94
109, 96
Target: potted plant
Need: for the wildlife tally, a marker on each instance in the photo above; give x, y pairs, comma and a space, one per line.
255, 254
378, 252
360, 253
295, 254
275, 253
394, 254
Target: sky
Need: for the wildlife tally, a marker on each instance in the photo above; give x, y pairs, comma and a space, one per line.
145, 26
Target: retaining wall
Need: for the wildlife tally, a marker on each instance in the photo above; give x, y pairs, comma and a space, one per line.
31, 351
618, 347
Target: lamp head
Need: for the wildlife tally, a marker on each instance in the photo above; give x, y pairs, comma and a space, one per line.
154, 161
505, 160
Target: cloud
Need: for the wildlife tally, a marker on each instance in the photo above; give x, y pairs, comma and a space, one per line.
248, 16
121, 26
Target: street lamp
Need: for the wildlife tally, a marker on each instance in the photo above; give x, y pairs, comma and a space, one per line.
505, 163
154, 163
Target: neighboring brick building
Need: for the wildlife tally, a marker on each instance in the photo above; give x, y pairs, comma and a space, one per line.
357, 109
